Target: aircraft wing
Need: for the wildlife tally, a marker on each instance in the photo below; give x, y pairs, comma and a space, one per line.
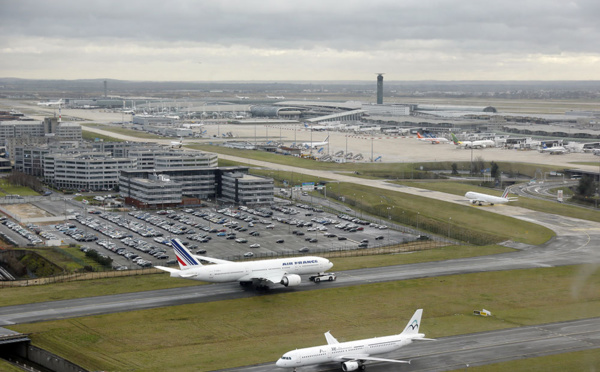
166, 269
211, 260
367, 357
273, 277
181, 273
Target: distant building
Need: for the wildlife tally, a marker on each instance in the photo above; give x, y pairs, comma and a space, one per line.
191, 185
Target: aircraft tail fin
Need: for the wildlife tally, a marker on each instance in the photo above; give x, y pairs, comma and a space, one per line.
505, 193
419, 135
184, 257
454, 139
413, 325
326, 139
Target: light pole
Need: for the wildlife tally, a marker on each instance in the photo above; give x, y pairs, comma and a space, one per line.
449, 224
418, 213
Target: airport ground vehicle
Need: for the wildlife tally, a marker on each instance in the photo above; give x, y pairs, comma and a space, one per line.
323, 277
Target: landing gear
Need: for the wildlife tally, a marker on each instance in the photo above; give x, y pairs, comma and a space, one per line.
246, 284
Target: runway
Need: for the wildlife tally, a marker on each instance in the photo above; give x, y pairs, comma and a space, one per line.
464, 351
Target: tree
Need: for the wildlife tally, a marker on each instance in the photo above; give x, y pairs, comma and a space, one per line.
454, 169
495, 171
586, 186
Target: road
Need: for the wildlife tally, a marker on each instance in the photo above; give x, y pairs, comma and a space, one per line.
461, 352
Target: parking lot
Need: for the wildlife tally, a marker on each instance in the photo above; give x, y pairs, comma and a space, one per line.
142, 238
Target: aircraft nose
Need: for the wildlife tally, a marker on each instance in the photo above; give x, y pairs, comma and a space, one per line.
280, 363
329, 264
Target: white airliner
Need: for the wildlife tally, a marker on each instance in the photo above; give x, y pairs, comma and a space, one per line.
478, 144
433, 140
261, 273
315, 144
555, 150
479, 198
177, 144
51, 103
275, 97
353, 354
242, 97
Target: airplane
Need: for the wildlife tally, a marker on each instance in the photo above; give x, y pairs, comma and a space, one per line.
476, 197
242, 97
555, 150
316, 144
432, 140
177, 144
261, 273
473, 144
275, 97
51, 103
353, 354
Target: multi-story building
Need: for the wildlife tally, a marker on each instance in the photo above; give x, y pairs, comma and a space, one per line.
89, 171
193, 184
246, 189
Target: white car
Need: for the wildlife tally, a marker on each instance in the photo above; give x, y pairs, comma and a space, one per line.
255, 245
248, 254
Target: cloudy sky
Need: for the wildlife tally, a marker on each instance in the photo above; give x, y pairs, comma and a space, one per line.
272, 40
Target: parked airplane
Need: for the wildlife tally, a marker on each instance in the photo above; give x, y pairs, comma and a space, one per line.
555, 150
316, 144
242, 97
353, 354
433, 140
51, 103
476, 197
285, 271
275, 97
481, 144
177, 144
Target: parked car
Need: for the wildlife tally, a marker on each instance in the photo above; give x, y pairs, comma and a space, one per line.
303, 250
255, 245
248, 254
280, 241
380, 237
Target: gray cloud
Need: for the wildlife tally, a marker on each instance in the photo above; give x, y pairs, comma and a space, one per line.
269, 31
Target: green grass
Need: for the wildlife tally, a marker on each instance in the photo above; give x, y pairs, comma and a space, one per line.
227, 332
545, 206
124, 131
7, 367
15, 190
462, 222
92, 136
449, 252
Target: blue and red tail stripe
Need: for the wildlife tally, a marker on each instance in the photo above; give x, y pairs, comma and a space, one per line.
183, 255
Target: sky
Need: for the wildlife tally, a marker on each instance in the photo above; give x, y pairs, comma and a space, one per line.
307, 40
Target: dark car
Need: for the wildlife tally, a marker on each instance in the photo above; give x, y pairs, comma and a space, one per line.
313, 240
303, 250
280, 241
363, 245
380, 237
342, 238
201, 251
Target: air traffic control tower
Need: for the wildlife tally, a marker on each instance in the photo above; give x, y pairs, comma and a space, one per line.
379, 88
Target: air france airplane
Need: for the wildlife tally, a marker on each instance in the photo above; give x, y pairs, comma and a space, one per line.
476, 197
315, 144
285, 271
353, 354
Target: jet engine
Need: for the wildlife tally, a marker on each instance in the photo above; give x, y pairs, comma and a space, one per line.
291, 280
352, 366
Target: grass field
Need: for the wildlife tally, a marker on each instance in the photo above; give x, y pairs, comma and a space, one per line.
225, 334
8, 189
462, 222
